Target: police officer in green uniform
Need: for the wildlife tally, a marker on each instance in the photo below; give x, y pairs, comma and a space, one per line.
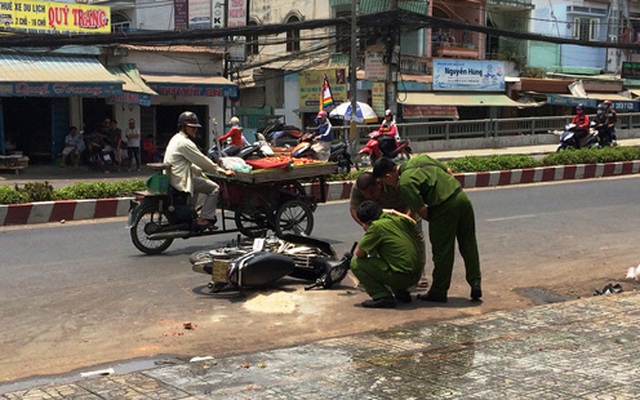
431, 191
367, 187
377, 264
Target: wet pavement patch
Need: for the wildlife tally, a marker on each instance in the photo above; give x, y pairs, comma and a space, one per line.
541, 296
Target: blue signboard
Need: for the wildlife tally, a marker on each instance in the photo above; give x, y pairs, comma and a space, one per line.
132, 98
60, 89
570, 101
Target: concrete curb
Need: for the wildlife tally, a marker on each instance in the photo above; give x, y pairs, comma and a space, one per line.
56, 211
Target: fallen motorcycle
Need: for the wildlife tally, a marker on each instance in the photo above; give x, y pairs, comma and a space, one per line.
262, 262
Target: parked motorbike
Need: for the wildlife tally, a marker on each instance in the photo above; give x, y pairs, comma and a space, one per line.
339, 153
568, 138
262, 262
368, 155
100, 154
162, 215
259, 149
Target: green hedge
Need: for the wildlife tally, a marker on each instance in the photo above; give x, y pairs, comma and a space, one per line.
39, 191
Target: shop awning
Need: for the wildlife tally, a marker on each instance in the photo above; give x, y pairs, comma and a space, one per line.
55, 76
134, 89
457, 99
191, 85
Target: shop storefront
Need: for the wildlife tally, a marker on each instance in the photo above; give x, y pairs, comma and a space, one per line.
38, 96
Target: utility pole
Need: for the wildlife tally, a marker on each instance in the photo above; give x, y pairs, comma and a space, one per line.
393, 55
353, 66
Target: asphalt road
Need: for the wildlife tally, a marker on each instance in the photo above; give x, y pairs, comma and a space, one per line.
79, 295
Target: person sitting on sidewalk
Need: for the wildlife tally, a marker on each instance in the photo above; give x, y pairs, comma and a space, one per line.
73, 147
377, 263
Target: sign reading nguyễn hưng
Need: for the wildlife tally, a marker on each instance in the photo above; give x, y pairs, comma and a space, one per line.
51, 17
468, 75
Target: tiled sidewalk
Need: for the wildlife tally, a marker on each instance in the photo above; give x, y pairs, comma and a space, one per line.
582, 349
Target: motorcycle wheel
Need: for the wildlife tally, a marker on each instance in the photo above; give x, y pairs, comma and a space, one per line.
293, 216
335, 275
363, 161
402, 157
149, 220
251, 225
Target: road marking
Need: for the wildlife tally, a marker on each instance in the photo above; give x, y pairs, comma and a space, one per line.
512, 217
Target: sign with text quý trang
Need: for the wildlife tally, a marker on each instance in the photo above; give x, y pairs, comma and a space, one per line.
50, 17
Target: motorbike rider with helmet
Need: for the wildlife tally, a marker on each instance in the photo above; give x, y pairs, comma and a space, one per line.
323, 136
187, 164
581, 121
388, 139
606, 120
235, 134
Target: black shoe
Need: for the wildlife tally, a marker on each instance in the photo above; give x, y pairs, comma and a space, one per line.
432, 297
476, 291
402, 296
385, 302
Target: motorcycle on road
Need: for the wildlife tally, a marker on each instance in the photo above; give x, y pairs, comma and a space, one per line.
262, 262
368, 155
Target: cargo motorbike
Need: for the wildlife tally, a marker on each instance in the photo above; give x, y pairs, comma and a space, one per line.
368, 155
263, 261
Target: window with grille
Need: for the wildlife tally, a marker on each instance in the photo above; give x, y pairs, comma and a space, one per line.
252, 42
119, 23
587, 29
293, 37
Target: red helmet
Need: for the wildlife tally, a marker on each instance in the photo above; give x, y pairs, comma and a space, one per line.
607, 102
388, 113
322, 114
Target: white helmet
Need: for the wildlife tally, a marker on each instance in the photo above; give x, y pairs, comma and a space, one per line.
234, 121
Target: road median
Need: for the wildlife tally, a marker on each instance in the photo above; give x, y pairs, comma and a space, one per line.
69, 210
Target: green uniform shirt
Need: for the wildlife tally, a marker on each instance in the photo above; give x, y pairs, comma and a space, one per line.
424, 180
389, 198
393, 238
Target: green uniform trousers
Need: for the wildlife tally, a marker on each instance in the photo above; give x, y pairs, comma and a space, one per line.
454, 219
377, 277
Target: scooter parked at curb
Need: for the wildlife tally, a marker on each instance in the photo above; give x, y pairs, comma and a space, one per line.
368, 155
258, 264
339, 152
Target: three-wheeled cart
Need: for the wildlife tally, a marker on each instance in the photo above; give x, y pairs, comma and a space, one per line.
271, 198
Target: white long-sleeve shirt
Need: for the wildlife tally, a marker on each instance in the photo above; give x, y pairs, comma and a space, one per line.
186, 159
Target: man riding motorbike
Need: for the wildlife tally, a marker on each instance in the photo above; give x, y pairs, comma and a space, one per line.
323, 135
187, 164
235, 133
581, 121
388, 139
606, 120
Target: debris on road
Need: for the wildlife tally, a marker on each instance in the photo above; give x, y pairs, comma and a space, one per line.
609, 289
634, 273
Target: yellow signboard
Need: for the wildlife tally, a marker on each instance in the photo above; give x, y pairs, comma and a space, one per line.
50, 17
310, 84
